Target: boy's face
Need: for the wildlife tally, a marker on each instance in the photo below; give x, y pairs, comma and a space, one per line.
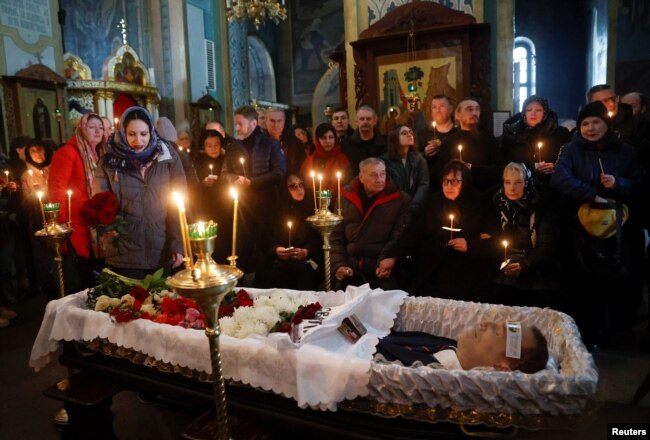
484, 345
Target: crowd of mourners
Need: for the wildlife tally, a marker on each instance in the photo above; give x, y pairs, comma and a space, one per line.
542, 216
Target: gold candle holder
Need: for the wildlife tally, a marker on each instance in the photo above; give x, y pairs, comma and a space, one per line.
208, 283
55, 234
324, 221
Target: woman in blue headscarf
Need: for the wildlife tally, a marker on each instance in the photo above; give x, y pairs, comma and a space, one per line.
142, 170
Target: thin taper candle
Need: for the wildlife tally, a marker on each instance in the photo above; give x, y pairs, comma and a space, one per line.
539, 152
7, 175
39, 194
338, 191
505, 250
183, 224
69, 192
233, 257
243, 166
210, 169
460, 152
290, 224
320, 185
451, 227
600, 162
434, 130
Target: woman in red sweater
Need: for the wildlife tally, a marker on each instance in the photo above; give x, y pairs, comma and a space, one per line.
73, 168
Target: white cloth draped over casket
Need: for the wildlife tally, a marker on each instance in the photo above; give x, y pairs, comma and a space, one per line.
325, 369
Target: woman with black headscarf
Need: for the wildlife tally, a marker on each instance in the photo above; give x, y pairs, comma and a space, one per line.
534, 138
142, 170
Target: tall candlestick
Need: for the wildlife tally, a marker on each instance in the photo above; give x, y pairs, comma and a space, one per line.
187, 250
313, 185
539, 152
460, 152
338, 191
451, 227
505, 250
290, 224
69, 192
233, 257
39, 194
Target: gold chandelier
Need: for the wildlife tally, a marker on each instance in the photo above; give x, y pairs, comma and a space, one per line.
256, 10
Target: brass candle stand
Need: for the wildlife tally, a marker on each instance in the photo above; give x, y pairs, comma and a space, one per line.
55, 234
325, 221
207, 283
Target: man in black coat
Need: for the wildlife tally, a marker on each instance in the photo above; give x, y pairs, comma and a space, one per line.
365, 141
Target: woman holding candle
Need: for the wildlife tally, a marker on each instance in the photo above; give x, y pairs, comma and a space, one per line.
73, 169
327, 160
405, 167
524, 132
609, 269
460, 267
142, 171
297, 264
529, 242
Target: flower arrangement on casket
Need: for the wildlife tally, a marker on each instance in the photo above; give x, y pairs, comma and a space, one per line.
126, 299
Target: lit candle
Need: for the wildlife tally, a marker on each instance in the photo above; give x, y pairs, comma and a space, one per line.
31, 173
39, 194
184, 233
69, 192
313, 185
233, 257
116, 122
434, 130
243, 167
539, 151
210, 169
460, 152
290, 224
180, 149
7, 175
505, 250
320, 184
338, 187
451, 226
610, 114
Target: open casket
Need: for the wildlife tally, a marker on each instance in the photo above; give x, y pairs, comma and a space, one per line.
326, 372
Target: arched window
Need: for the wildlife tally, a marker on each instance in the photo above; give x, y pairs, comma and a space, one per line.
523, 71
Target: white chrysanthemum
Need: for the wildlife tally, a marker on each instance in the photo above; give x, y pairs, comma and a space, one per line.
150, 309
267, 314
127, 299
228, 325
102, 303
148, 300
249, 328
283, 302
114, 302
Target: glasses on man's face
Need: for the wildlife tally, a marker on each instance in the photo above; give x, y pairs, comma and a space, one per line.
295, 186
451, 182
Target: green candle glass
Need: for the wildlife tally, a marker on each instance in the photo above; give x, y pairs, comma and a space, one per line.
48, 207
202, 230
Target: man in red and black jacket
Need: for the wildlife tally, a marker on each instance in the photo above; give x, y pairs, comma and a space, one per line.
375, 214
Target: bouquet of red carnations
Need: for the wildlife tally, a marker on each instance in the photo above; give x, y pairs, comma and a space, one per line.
100, 214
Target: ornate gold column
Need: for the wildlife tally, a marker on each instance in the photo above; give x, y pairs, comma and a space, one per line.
100, 96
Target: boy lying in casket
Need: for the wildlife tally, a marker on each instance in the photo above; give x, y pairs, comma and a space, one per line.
503, 346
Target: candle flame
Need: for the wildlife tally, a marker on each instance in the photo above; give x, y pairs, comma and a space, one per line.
69, 192
39, 194
116, 121
610, 114
30, 172
233, 193
311, 173
241, 160
434, 124
320, 176
338, 174
451, 216
505, 243
180, 149
539, 145
290, 224
179, 200
460, 148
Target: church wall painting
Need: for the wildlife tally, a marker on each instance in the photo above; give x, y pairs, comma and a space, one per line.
317, 28
38, 113
432, 71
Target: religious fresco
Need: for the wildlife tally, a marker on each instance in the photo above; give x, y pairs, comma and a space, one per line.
317, 28
378, 8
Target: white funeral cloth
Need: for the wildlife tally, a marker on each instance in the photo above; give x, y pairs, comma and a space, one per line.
564, 387
319, 372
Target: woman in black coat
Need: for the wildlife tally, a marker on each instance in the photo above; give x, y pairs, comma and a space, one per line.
458, 263
294, 258
529, 226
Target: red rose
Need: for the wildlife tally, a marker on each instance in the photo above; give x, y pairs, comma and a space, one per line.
106, 200
106, 216
285, 328
88, 214
226, 311
139, 293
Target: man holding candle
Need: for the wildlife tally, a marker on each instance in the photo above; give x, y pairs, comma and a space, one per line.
442, 126
265, 165
480, 150
375, 215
